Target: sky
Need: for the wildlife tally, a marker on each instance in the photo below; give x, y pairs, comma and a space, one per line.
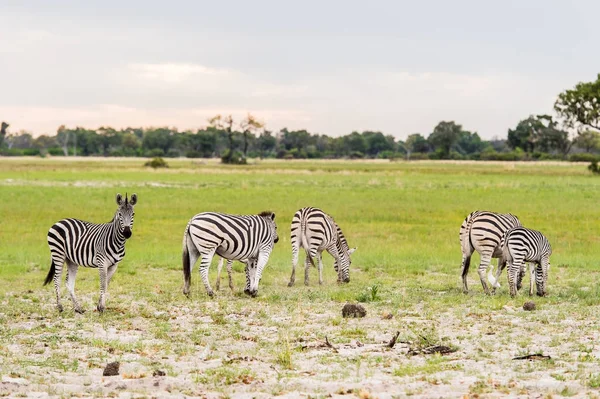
328, 66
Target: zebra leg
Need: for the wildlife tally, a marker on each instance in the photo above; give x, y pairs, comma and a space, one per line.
247, 272
320, 259
111, 270
204, 266
501, 266
71, 275
229, 273
306, 270
532, 269
466, 262
294, 264
514, 269
483, 265
58, 266
103, 288
541, 276
219, 267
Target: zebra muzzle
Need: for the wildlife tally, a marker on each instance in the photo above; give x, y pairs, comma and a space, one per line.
127, 232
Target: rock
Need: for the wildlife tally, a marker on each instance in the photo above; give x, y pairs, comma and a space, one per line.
353, 310
158, 373
387, 316
529, 306
111, 369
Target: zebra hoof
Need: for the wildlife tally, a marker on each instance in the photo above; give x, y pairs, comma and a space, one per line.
211, 293
291, 284
79, 310
100, 308
60, 308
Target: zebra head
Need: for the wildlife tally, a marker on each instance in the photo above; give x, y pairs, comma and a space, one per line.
344, 270
125, 213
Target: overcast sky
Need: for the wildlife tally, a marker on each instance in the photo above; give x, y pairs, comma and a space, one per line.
330, 67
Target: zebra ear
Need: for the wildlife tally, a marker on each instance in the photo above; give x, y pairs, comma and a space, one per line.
133, 199
351, 250
119, 199
272, 216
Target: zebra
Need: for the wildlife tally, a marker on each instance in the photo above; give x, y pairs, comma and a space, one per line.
482, 231
247, 238
81, 243
316, 231
520, 245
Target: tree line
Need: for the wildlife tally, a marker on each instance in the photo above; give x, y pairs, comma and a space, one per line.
535, 137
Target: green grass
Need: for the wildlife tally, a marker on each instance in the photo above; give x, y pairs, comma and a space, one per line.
403, 217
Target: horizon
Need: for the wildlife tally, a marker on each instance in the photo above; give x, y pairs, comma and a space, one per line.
395, 67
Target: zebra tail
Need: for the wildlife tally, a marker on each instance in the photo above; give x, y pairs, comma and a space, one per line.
50, 275
465, 232
186, 255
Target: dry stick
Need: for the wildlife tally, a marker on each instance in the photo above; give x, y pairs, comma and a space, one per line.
393, 341
328, 344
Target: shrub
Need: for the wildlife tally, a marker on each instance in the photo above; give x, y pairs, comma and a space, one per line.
584, 157
155, 152
593, 167
356, 155
173, 153
193, 154
235, 159
157, 162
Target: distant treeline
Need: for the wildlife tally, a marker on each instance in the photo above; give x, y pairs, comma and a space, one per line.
531, 139
537, 137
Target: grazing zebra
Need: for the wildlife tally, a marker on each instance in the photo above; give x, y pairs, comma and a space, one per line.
482, 231
80, 243
520, 245
247, 238
316, 231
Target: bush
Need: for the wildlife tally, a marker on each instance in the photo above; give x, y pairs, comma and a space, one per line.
157, 162
155, 152
593, 167
193, 154
584, 157
418, 156
356, 155
235, 159
173, 153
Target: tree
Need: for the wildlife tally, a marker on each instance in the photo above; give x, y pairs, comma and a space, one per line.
376, 143
250, 127
266, 143
62, 138
588, 140
539, 132
225, 124
469, 143
3, 128
580, 106
444, 136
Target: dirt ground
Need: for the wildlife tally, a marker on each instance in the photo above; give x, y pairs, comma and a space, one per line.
228, 348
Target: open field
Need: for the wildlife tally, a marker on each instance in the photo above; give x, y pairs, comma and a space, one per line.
403, 217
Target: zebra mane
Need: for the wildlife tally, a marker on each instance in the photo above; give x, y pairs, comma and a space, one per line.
266, 214
342, 238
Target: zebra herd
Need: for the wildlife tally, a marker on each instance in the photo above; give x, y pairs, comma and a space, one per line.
250, 239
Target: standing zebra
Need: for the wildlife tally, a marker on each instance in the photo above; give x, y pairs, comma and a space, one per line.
81, 243
482, 231
247, 238
520, 245
316, 231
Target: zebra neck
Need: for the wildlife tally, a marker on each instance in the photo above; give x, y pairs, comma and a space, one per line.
117, 234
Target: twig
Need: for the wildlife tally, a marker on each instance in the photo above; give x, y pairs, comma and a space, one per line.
393, 341
533, 356
328, 344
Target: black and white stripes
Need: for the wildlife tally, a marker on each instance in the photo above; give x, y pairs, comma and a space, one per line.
248, 238
80, 243
482, 231
521, 245
316, 231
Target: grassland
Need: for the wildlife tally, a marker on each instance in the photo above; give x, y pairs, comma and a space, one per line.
404, 219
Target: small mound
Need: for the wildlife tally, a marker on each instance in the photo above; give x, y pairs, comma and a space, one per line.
353, 310
111, 369
529, 306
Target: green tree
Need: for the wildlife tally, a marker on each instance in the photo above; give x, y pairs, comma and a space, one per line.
415, 143
250, 127
376, 142
3, 128
580, 106
469, 143
588, 140
444, 136
266, 143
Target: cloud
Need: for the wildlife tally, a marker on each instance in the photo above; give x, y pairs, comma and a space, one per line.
174, 73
